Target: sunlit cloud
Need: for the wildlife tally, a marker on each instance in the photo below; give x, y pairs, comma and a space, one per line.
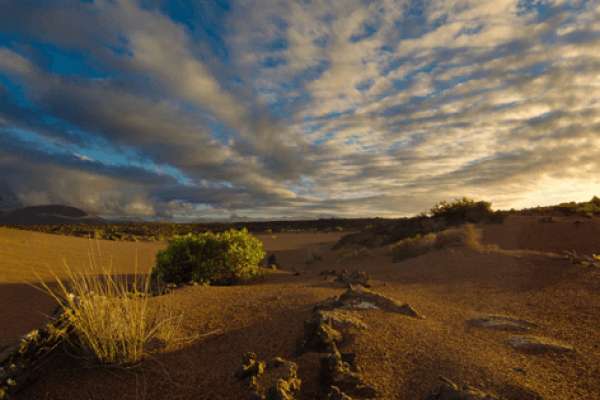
298, 109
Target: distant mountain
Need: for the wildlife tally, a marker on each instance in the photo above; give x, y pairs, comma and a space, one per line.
48, 215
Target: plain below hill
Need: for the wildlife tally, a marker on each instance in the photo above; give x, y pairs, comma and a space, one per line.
48, 214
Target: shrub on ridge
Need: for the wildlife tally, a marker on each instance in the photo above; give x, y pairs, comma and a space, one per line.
465, 236
463, 210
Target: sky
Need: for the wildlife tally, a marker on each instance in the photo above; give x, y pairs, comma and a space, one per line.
297, 109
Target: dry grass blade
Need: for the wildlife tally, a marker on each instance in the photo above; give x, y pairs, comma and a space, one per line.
113, 316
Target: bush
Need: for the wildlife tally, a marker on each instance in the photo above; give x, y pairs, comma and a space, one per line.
463, 210
589, 208
413, 247
221, 258
467, 236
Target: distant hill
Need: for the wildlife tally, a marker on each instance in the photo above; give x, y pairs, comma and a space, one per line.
46, 215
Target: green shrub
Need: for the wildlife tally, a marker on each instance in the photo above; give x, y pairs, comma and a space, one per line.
221, 258
463, 210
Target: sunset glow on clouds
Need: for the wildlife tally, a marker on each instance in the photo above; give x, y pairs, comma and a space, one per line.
174, 109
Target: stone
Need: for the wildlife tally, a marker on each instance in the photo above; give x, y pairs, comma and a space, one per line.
275, 380
18, 363
272, 261
340, 319
251, 367
503, 323
538, 345
335, 393
328, 327
451, 391
345, 376
357, 297
353, 278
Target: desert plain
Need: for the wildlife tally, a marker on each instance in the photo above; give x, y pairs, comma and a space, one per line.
522, 277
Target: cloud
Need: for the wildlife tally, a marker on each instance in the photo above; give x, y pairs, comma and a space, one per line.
299, 108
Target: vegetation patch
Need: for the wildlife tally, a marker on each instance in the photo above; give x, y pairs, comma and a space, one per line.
111, 316
463, 210
217, 258
586, 208
467, 236
442, 216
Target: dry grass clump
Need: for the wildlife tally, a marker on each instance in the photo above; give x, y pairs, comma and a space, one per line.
112, 316
413, 247
464, 236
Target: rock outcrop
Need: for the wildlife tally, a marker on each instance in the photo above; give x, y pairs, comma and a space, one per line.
357, 298
275, 380
343, 377
18, 363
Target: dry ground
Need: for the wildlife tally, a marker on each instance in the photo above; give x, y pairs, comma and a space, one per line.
401, 357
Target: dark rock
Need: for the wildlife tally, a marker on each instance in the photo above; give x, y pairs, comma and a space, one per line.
276, 380
328, 327
503, 323
353, 278
345, 376
582, 259
251, 366
18, 363
451, 391
272, 261
335, 393
538, 345
359, 298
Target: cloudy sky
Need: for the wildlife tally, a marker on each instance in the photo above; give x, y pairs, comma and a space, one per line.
266, 108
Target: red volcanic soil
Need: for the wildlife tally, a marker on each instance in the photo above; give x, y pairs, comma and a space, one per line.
546, 234
401, 357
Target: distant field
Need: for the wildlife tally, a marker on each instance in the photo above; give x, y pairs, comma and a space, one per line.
23, 252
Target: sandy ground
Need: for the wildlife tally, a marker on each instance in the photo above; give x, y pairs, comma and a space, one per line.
400, 356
